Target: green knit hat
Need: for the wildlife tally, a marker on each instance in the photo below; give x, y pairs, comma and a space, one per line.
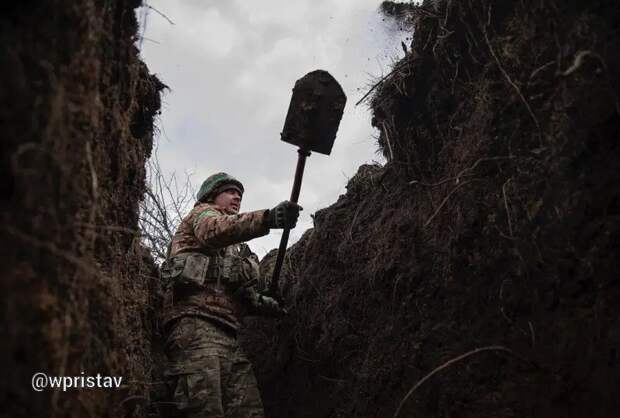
214, 183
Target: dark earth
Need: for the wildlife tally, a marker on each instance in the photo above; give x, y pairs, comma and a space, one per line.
475, 274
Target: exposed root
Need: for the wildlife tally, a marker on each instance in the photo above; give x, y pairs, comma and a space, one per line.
462, 173
507, 208
578, 62
448, 364
509, 80
94, 191
387, 141
53, 249
443, 202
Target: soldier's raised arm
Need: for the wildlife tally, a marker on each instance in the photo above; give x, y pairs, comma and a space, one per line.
217, 224
216, 229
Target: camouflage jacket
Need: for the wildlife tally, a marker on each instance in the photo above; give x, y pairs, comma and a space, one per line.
210, 231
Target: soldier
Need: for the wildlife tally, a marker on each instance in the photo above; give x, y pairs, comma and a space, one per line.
210, 278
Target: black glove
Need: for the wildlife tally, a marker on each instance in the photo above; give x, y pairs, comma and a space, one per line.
268, 306
284, 215
260, 304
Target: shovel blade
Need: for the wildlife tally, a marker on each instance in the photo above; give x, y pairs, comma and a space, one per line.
314, 112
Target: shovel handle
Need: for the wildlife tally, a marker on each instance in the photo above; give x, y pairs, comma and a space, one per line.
299, 173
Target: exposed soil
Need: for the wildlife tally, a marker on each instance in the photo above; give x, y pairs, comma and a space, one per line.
77, 123
474, 275
495, 224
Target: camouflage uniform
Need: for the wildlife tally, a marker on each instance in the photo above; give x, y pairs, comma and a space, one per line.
208, 373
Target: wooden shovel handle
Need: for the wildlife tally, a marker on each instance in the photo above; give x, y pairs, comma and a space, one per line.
299, 173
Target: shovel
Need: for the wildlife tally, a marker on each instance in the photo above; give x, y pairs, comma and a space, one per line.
311, 123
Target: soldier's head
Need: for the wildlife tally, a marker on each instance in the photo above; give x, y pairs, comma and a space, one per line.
223, 190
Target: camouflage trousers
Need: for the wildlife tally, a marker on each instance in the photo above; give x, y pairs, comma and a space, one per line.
208, 373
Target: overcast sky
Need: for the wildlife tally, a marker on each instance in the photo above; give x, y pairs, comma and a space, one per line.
231, 66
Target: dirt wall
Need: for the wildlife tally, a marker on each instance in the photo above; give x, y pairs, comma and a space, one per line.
486, 249
77, 122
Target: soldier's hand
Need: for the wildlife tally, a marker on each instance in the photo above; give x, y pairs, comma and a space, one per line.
270, 306
284, 215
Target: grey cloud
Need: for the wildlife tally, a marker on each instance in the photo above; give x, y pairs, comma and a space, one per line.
231, 66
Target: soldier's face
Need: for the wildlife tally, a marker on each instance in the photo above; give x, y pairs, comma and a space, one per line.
229, 199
